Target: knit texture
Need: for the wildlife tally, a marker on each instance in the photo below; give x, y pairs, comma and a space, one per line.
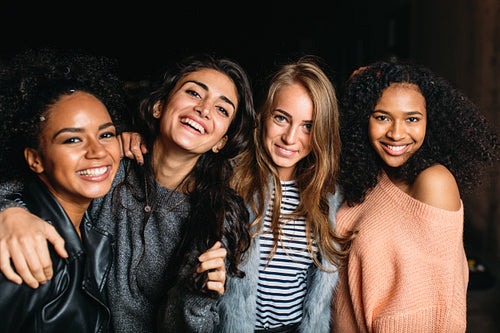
407, 270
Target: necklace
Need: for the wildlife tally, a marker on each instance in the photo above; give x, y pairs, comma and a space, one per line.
148, 208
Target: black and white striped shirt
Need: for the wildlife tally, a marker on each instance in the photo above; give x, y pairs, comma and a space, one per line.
282, 281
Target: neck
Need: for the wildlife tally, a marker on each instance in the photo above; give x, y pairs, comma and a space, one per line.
73, 208
171, 166
395, 175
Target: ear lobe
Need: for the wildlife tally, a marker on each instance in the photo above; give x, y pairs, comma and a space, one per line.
220, 144
34, 160
157, 110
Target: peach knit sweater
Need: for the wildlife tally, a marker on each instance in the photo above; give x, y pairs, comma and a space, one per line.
407, 271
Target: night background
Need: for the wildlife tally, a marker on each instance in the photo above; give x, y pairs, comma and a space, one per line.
458, 39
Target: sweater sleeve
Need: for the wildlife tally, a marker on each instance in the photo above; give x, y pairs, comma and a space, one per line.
7, 193
188, 311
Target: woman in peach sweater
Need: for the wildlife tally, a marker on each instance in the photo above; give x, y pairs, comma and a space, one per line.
411, 143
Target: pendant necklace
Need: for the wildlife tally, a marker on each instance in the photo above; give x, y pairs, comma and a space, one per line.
148, 208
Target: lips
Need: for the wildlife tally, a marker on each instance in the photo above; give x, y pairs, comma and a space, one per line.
194, 125
395, 150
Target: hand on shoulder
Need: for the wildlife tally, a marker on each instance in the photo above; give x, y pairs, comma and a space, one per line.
436, 186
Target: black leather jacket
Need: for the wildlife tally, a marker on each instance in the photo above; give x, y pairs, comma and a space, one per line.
74, 299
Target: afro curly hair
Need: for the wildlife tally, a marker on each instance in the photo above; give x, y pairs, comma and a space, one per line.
457, 136
36, 79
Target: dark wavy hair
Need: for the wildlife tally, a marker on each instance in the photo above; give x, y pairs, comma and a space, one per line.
457, 136
217, 213
36, 79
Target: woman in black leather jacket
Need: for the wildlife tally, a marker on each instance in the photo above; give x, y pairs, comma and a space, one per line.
59, 139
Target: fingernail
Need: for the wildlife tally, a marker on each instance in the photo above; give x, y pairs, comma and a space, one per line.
141, 163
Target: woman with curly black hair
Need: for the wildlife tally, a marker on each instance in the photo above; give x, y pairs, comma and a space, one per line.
170, 216
411, 144
59, 139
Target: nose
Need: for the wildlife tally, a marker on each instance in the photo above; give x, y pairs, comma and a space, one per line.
203, 108
290, 135
95, 149
396, 131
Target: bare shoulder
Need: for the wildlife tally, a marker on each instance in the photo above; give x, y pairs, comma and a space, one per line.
436, 186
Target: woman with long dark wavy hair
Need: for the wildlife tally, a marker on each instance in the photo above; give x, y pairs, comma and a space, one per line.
411, 144
171, 215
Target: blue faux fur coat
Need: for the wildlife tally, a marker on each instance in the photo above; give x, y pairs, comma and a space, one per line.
237, 308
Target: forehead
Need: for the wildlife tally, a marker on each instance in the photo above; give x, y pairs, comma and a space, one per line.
216, 82
402, 96
294, 99
76, 107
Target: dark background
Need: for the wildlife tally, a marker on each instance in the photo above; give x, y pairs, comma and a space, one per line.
459, 39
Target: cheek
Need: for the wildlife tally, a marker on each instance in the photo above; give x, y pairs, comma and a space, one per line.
307, 143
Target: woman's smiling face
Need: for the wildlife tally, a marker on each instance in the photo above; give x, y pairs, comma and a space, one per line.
198, 112
80, 153
398, 123
287, 129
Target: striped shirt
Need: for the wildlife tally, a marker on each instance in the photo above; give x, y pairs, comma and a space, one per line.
282, 282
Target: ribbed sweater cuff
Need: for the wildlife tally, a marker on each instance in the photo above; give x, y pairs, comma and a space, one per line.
435, 319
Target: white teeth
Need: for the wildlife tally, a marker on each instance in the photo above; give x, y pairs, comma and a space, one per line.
285, 150
193, 124
396, 148
93, 172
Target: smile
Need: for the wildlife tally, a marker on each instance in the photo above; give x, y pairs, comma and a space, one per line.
285, 152
395, 150
93, 172
193, 124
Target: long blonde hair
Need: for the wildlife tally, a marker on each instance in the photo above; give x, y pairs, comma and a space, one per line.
316, 174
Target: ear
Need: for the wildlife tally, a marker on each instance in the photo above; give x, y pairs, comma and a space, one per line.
220, 144
157, 108
34, 160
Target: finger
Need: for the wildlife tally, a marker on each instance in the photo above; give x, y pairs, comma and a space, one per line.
6, 267
215, 251
29, 250
144, 149
135, 147
43, 254
125, 138
216, 286
214, 264
217, 276
55, 239
21, 266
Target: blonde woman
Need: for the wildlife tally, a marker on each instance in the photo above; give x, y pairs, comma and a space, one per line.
287, 178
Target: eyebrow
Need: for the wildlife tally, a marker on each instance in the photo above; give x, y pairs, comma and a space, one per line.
290, 116
79, 130
205, 87
408, 113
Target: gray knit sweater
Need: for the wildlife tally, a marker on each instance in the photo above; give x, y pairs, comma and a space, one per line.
141, 288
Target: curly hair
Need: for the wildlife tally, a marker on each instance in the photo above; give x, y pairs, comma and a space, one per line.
217, 212
35, 80
457, 136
